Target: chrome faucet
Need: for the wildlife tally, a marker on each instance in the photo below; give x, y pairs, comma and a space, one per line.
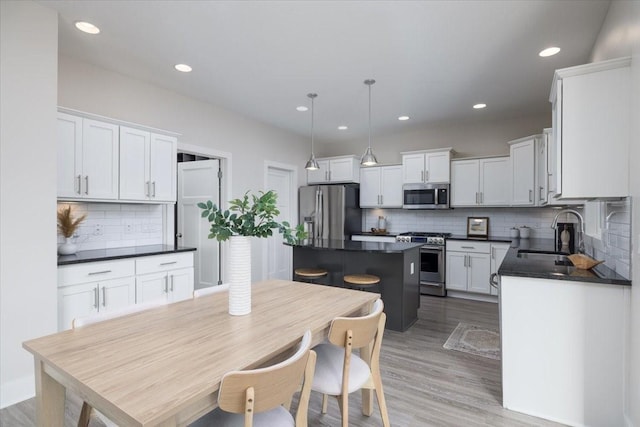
580, 218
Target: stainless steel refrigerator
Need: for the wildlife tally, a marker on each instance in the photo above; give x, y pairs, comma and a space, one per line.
330, 211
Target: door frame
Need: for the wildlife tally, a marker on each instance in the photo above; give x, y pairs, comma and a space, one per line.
293, 210
225, 159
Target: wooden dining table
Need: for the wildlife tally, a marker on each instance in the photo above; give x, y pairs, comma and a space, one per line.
163, 366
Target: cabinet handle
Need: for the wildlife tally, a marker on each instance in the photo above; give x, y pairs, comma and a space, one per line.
530, 194
426, 175
166, 285
168, 263
477, 203
154, 189
465, 261
421, 175
468, 247
493, 253
381, 199
326, 175
104, 296
95, 298
468, 260
482, 198
79, 191
541, 193
86, 184
148, 192
93, 273
171, 283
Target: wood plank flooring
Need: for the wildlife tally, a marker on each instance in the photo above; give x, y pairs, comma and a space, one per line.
424, 384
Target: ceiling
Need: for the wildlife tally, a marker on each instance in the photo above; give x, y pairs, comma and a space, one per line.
432, 60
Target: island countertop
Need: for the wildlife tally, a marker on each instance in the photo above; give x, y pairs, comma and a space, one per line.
547, 269
354, 246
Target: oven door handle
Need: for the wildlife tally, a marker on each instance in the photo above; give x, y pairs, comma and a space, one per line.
432, 248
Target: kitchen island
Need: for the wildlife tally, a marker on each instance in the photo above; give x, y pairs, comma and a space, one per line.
563, 333
397, 265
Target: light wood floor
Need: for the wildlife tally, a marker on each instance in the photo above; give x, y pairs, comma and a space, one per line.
424, 384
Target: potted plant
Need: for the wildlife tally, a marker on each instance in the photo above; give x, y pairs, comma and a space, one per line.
251, 216
67, 226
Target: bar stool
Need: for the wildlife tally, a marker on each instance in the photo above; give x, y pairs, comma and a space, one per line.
361, 281
310, 274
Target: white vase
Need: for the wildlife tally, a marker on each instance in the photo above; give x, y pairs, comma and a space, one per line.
68, 247
239, 275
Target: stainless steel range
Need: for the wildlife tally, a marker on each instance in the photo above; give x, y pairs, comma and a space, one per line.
432, 260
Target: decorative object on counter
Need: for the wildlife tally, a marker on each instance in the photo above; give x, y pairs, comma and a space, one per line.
514, 233
382, 223
312, 164
476, 340
565, 241
243, 220
67, 226
583, 262
368, 158
478, 227
525, 232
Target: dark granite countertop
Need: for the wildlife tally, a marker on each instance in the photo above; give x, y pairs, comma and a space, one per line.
369, 233
350, 245
546, 268
120, 253
500, 239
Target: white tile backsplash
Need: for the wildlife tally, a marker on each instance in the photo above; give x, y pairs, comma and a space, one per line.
114, 225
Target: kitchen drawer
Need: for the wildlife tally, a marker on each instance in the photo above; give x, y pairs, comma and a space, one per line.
155, 264
468, 246
94, 272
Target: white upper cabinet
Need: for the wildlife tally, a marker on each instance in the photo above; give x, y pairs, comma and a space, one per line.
523, 172
87, 159
591, 110
480, 182
431, 166
336, 170
381, 187
147, 166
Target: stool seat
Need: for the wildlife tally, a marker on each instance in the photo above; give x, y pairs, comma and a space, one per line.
310, 273
361, 279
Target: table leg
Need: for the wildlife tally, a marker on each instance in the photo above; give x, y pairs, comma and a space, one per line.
50, 396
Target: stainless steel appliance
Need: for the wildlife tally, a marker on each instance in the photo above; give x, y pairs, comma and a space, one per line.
432, 260
425, 196
330, 211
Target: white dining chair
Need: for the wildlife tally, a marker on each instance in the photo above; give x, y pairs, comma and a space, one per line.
340, 372
210, 290
260, 397
86, 411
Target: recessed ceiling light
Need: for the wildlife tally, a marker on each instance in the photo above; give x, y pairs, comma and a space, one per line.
479, 106
343, 127
87, 27
403, 118
550, 51
183, 67
302, 108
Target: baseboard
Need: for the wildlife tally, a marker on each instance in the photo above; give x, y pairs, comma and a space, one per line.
472, 296
16, 391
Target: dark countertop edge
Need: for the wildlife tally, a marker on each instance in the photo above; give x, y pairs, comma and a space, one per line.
358, 246
134, 252
369, 233
498, 239
549, 276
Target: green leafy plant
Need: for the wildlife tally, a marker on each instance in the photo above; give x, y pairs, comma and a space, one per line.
250, 216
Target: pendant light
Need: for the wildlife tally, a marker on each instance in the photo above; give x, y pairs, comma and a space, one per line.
368, 158
312, 164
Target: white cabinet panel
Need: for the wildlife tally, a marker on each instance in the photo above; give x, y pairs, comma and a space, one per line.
319, 175
152, 287
381, 187
118, 293
456, 273
76, 301
479, 272
494, 181
181, 284
100, 154
163, 168
468, 266
438, 167
465, 181
134, 164
426, 167
413, 168
369, 187
69, 140
335, 170
523, 172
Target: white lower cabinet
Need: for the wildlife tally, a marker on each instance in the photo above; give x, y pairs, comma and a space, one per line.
468, 266
89, 288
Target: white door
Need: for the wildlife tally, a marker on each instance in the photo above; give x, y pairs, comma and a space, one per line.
319, 175
69, 155
152, 287
479, 268
162, 170
198, 182
413, 168
465, 175
279, 256
456, 273
134, 164
437, 167
390, 186
76, 301
181, 284
522, 173
494, 181
117, 293
100, 156
370, 187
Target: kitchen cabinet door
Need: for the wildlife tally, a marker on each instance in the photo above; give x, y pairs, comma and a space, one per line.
465, 175
523, 172
390, 186
541, 192
494, 181
479, 271
413, 168
320, 175
134, 164
69, 140
152, 287
437, 167
456, 271
100, 157
370, 187
163, 168
117, 293
180, 284
76, 301
342, 170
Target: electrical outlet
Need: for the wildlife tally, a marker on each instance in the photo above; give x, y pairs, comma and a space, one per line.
97, 230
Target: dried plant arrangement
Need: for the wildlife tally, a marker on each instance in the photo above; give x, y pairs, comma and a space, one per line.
67, 225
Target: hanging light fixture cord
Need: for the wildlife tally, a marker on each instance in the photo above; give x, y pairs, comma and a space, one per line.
368, 158
312, 164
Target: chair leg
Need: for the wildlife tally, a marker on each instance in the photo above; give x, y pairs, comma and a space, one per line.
85, 415
325, 403
343, 402
382, 404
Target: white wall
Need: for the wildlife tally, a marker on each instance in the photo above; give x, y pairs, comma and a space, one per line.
469, 139
28, 83
620, 36
85, 87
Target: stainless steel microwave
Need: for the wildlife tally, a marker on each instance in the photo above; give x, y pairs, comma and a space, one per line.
425, 196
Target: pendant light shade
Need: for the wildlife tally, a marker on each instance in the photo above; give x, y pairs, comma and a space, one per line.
368, 158
312, 163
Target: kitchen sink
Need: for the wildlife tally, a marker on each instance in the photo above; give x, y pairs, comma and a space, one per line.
558, 258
